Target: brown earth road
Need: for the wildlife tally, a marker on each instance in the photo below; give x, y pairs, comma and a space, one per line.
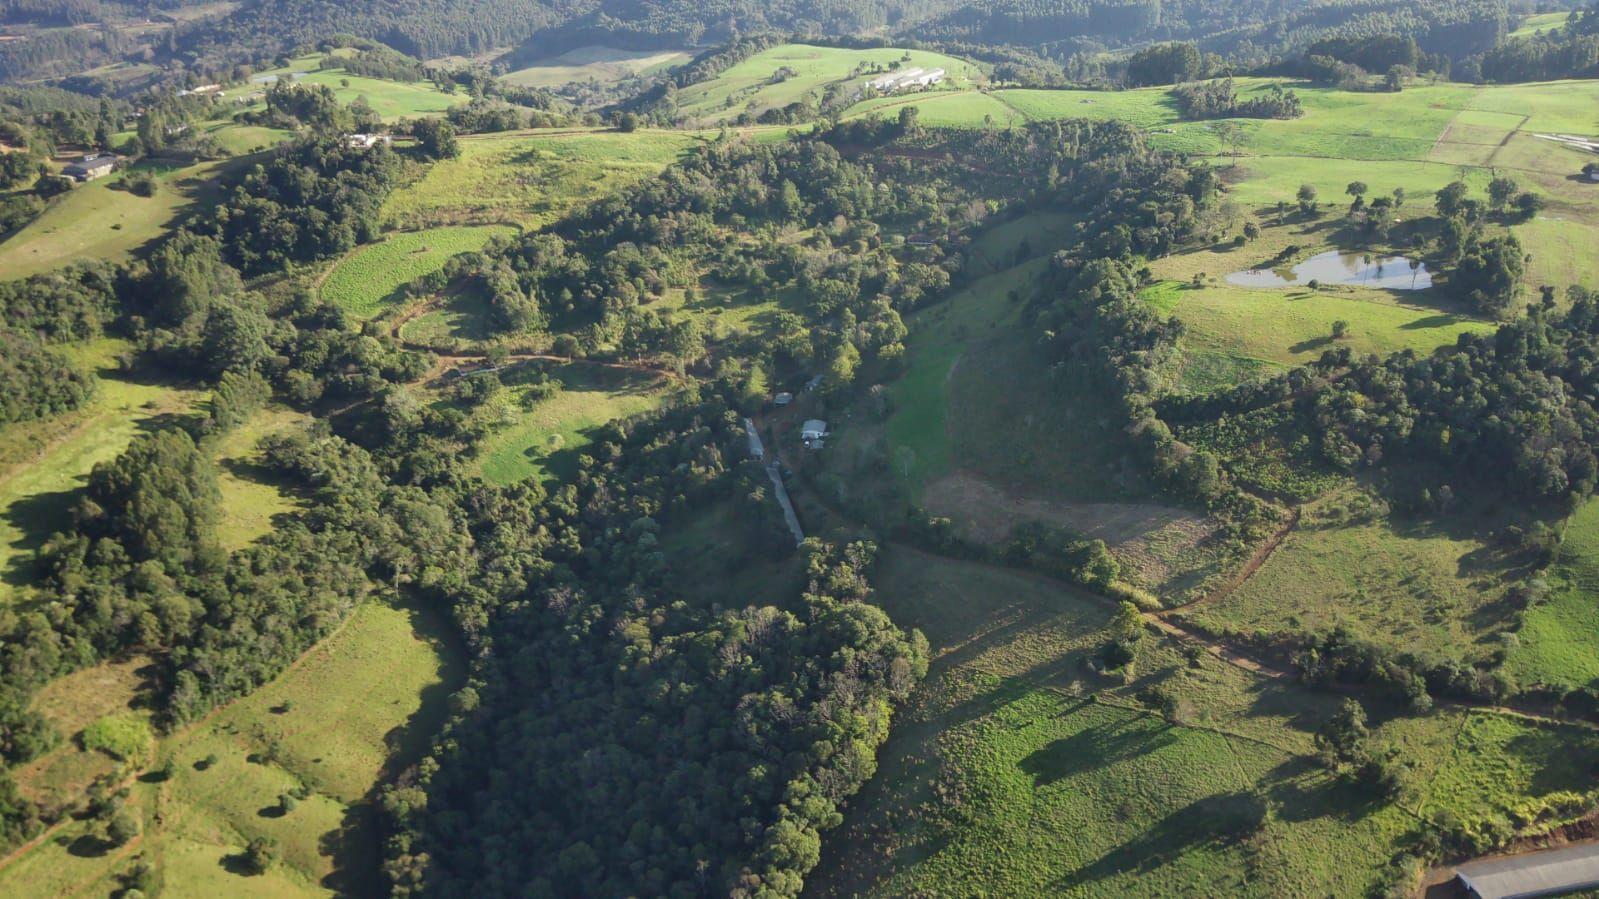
1256, 559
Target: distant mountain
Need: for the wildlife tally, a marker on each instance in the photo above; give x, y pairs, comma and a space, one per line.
53, 38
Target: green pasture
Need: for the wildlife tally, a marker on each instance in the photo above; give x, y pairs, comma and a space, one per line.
364, 700
946, 109
1017, 771
1292, 326
251, 500
1432, 587
99, 221
595, 63
545, 440
531, 178
1540, 22
748, 84
367, 279
46, 463
1558, 643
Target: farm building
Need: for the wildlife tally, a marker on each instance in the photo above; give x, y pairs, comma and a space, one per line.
1548, 873
906, 78
813, 432
95, 165
367, 141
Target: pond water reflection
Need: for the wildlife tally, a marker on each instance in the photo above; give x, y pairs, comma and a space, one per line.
1337, 267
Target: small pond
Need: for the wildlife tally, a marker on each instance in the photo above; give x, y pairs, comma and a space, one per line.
1335, 267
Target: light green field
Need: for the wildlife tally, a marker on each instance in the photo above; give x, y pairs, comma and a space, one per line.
531, 178
364, 699
545, 440
366, 280
237, 139
603, 64
48, 462
1146, 107
1015, 771
1558, 643
1538, 22
390, 99
1293, 326
1410, 586
250, 501
92, 221
745, 86
964, 109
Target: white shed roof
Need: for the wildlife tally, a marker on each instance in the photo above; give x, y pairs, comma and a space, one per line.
1534, 874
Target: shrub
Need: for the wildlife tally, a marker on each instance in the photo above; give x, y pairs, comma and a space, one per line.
125, 736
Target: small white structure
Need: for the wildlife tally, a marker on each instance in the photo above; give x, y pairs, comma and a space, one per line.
814, 383
367, 141
757, 451
202, 89
813, 433
904, 79
783, 399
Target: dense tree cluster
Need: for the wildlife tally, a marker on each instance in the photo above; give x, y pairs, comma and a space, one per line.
1217, 100
316, 198
728, 737
1571, 51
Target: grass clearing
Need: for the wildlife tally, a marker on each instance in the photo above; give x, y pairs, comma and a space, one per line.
368, 279
1411, 586
1254, 330
529, 178
94, 221
754, 85
545, 440
1558, 643
48, 462
251, 500
1015, 771
365, 699
606, 65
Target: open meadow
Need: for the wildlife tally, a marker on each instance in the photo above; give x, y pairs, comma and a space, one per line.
530, 178
362, 701
764, 81
103, 220
605, 65
1017, 770
367, 280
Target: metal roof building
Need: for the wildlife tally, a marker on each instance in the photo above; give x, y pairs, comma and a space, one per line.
1534, 874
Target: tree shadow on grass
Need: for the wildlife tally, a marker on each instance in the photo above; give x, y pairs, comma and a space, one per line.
1303, 791
1216, 821
1093, 748
89, 846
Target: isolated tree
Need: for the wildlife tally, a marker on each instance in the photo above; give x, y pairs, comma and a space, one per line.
1451, 198
1340, 329
1343, 737
908, 119
435, 139
1307, 198
1356, 189
260, 855
121, 828
627, 122
1500, 190
1529, 204
1251, 231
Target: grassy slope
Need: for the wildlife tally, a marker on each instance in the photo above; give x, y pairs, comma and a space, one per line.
545, 440
1415, 587
250, 501
49, 461
1002, 778
603, 64
745, 85
364, 281
365, 697
92, 221
1559, 640
531, 178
